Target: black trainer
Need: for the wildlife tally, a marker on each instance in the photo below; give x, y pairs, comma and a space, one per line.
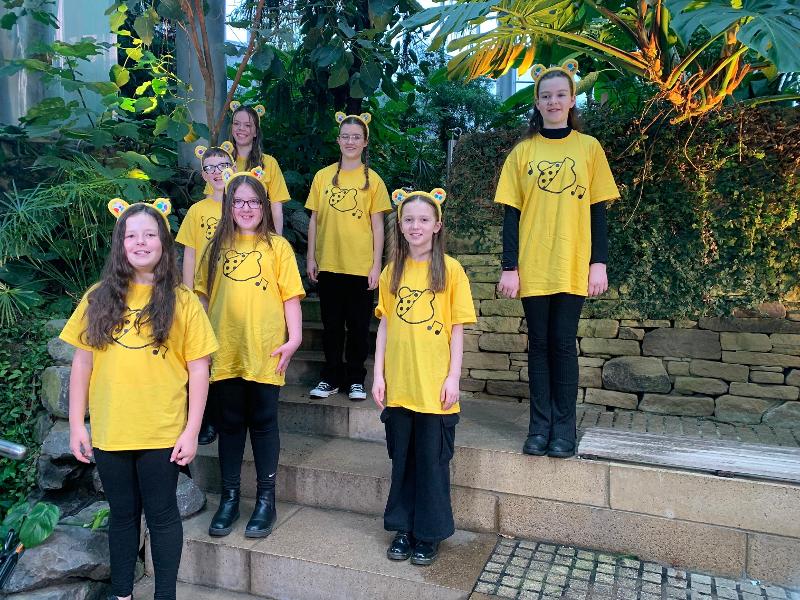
323, 390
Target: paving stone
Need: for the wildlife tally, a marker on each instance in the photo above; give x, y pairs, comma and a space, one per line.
523, 553
511, 581
532, 584
490, 577
515, 571
652, 577
494, 567
604, 578
627, 562
485, 588
519, 562
507, 592
578, 574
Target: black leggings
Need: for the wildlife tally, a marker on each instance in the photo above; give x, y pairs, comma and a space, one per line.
247, 405
553, 363
132, 480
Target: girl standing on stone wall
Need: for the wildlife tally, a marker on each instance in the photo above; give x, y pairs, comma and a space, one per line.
554, 184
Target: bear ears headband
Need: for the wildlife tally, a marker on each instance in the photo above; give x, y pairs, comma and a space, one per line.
569, 67
229, 175
258, 108
163, 206
436, 195
365, 118
227, 147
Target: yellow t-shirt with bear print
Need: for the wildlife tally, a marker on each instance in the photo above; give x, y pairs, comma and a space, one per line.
199, 225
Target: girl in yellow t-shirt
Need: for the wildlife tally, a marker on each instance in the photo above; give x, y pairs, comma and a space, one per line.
554, 184
249, 278
424, 302
345, 248
141, 337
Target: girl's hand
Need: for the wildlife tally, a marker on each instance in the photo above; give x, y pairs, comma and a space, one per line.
598, 280
311, 268
185, 448
379, 391
449, 395
80, 443
286, 352
509, 284
373, 277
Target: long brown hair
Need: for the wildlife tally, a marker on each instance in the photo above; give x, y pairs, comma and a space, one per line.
364, 155
536, 123
107, 306
256, 156
437, 273
227, 228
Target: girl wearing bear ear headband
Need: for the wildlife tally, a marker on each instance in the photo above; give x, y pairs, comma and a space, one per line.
142, 342
554, 184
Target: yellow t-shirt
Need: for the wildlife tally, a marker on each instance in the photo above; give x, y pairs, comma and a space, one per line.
273, 179
199, 225
344, 227
419, 324
137, 391
251, 283
553, 183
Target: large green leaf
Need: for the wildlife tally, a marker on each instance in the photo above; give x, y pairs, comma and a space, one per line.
452, 18
770, 27
39, 524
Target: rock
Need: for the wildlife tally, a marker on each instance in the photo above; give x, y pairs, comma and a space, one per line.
738, 409
503, 342
97, 483
649, 323
498, 324
501, 308
766, 377
590, 377
690, 406
590, 361
598, 328
675, 368
709, 368
636, 374
52, 474
754, 390
44, 422
54, 326
191, 499
793, 378
472, 385
611, 398
55, 391
608, 347
785, 343
631, 333
518, 389
471, 342
485, 360
86, 515
756, 325
70, 553
56, 444
700, 385
774, 310
483, 274
793, 315
685, 324
691, 343
299, 220
785, 415
770, 359
84, 590
496, 375
755, 342
60, 351
478, 260
483, 291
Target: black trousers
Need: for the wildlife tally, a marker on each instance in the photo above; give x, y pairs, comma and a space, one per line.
248, 405
345, 301
421, 446
133, 480
553, 363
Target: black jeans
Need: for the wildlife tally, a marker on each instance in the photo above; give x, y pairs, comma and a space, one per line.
345, 300
421, 446
553, 363
132, 480
248, 405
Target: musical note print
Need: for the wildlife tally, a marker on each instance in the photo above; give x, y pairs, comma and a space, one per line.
358, 213
262, 283
579, 191
436, 327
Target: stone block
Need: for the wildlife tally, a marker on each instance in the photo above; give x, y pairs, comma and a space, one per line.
793, 378
766, 377
503, 342
483, 274
611, 398
649, 323
755, 325
477, 260
710, 368
685, 324
786, 343
523, 375
499, 324
770, 359
773, 558
57, 474
631, 333
55, 391
485, 360
609, 347
739, 409
60, 351
689, 406
471, 342
785, 415
474, 510
598, 328
495, 375
482, 291
755, 342
590, 377
700, 385
676, 368
502, 308
468, 384
636, 374
517, 389
590, 361
691, 343
755, 390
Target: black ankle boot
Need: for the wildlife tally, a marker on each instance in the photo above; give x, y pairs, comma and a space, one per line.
207, 435
264, 515
226, 514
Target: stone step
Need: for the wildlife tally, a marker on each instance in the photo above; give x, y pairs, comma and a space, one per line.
312, 336
323, 554
306, 367
145, 588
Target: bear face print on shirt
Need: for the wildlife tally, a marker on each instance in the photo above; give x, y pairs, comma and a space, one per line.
344, 200
243, 266
209, 226
556, 177
130, 335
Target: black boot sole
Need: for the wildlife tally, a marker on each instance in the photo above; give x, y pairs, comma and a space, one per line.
398, 555
258, 533
223, 531
567, 454
534, 452
423, 562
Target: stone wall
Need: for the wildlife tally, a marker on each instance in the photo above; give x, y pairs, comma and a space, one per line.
742, 369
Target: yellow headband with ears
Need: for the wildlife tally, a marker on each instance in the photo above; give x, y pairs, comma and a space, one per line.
569, 67
258, 108
163, 206
437, 195
227, 147
365, 118
229, 175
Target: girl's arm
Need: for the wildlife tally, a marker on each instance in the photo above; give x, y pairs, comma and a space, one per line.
186, 446
188, 266
450, 393
377, 250
311, 260
80, 443
378, 383
276, 208
294, 326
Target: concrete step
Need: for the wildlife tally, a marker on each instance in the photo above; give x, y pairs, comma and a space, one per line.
306, 367
324, 554
312, 336
145, 588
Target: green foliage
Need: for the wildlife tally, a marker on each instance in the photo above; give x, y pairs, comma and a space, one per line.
33, 524
709, 217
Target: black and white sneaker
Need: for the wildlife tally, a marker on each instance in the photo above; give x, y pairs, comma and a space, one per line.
357, 392
323, 390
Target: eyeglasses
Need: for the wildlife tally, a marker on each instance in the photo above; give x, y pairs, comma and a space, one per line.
250, 203
355, 138
216, 168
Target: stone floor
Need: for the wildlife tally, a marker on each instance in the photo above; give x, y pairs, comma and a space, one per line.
631, 420
527, 570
